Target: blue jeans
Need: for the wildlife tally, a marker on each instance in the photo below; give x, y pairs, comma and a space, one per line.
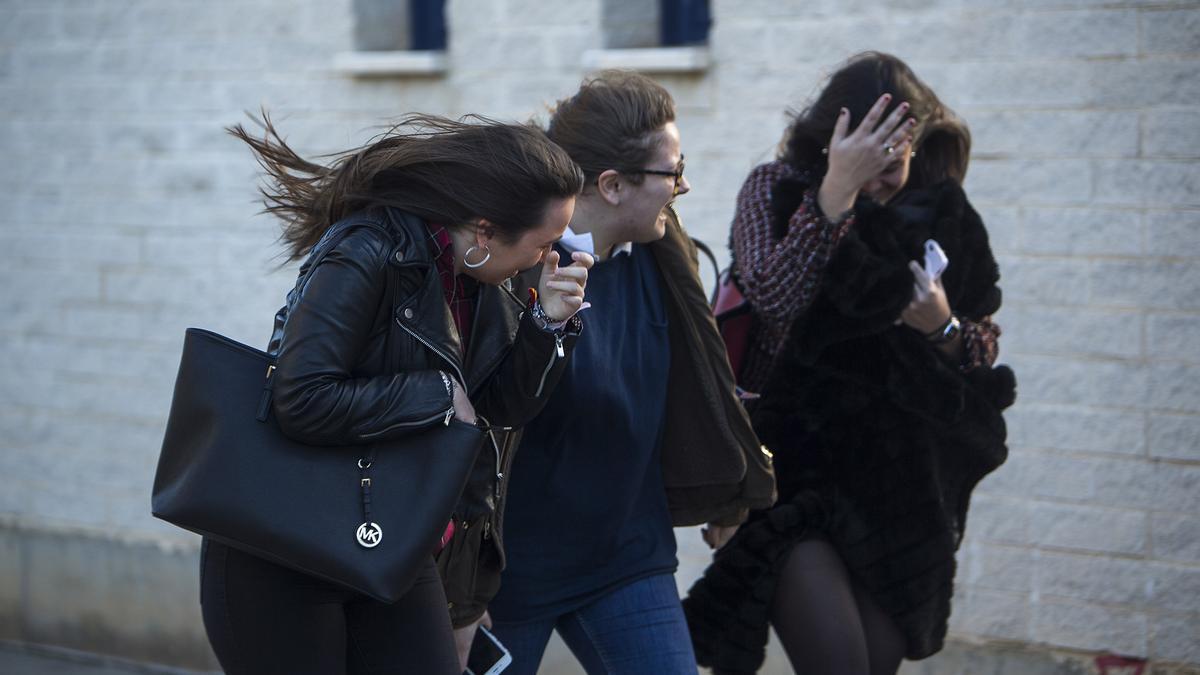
636, 629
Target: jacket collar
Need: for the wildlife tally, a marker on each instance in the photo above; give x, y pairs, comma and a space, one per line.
494, 311
423, 313
426, 315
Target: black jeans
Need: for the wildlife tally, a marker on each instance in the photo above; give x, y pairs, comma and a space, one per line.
262, 618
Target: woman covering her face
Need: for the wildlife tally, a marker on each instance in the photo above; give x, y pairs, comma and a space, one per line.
879, 397
644, 431
403, 324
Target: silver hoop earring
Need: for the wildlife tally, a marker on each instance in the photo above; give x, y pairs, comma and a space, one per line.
487, 256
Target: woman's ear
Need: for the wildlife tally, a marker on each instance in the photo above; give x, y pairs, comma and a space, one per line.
609, 185
484, 231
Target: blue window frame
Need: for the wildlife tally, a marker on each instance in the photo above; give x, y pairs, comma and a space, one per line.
427, 25
685, 22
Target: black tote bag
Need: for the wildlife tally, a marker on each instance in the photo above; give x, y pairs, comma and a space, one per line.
362, 516
226, 475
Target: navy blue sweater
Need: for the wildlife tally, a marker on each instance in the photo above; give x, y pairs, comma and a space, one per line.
586, 508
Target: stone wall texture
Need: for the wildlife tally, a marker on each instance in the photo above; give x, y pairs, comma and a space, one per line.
128, 215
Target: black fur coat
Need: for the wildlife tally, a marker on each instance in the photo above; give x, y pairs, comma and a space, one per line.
878, 439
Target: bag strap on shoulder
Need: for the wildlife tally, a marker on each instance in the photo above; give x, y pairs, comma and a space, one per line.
712, 259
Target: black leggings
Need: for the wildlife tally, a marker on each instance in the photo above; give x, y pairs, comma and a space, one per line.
262, 618
827, 624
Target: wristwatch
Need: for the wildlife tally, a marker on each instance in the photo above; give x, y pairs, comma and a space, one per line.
571, 324
947, 332
541, 319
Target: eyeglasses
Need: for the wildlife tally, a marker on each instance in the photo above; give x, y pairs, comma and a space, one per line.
677, 174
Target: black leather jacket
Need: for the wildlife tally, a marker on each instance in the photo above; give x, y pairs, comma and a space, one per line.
359, 362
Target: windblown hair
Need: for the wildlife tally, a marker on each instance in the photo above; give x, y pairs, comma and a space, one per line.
448, 171
611, 122
942, 140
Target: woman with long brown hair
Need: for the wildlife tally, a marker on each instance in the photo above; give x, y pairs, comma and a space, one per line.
645, 431
405, 322
879, 397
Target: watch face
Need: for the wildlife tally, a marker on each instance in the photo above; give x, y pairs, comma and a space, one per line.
945, 334
951, 330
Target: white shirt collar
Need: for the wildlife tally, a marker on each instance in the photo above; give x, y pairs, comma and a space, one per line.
584, 242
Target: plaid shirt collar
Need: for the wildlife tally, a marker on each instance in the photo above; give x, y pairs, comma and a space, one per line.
458, 289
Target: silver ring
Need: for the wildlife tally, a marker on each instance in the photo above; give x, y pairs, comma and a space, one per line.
888, 149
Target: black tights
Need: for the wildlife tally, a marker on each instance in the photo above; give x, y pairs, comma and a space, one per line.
264, 619
827, 624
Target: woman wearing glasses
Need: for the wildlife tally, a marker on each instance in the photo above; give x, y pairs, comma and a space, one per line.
645, 430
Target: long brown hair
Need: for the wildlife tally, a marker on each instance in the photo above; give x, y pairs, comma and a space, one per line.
610, 123
943, 142
448, 171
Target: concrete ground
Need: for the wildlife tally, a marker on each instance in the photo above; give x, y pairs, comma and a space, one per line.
957, 659
27, 660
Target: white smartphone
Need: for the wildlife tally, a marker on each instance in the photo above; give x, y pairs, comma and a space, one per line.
935, 259
488, 656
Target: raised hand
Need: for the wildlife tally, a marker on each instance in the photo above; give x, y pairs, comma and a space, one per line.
560, 289
856, 157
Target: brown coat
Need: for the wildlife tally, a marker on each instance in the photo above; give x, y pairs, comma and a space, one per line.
714, 468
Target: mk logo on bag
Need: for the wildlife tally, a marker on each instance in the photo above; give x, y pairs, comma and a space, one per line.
369, 535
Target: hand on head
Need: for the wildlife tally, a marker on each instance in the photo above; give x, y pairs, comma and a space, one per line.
857, 157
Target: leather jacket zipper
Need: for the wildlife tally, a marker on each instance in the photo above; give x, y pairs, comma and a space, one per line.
496, 449
445, 417
496, 489
558, 353
445, 357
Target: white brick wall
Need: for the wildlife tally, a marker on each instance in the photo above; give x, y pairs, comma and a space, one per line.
129, 216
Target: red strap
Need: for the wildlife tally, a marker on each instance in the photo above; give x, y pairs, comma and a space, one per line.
446, 537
